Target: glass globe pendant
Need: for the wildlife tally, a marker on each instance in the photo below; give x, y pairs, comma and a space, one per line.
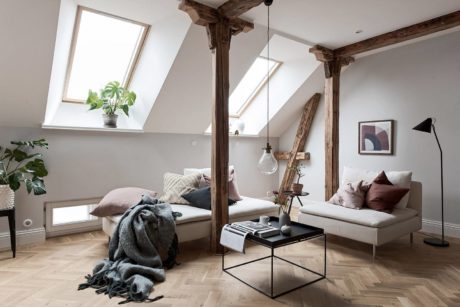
268, 165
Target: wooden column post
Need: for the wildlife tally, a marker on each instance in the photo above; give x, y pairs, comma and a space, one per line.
220, 29
331, 100
332, 69
221, 34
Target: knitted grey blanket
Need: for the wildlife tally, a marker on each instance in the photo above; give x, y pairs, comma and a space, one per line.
144, 233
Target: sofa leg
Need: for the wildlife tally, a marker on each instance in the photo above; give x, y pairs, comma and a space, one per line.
374, 250
411, 237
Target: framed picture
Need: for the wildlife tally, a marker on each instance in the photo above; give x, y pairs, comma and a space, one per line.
376, 137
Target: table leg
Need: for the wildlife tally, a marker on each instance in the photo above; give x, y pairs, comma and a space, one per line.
325, 258
271, 283
290, 206
300, 202
12, 224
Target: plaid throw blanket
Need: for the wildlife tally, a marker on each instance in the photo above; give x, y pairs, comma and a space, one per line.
145, 233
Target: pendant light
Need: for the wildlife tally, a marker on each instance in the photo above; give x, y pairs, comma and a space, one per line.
268, 165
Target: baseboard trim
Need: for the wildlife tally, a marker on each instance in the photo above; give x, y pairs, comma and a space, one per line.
23, 237
432, 226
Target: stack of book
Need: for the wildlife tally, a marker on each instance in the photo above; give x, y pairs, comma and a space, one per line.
255, 228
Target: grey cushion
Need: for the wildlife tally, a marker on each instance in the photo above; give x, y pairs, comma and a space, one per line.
201, 198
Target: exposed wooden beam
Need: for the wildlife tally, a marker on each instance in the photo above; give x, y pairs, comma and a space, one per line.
328, 56
206, 16
401, 35
322, 54
234, 8
300, 140
286, 155
199, 13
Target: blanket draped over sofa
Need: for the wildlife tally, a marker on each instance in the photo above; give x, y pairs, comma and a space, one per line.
146, 232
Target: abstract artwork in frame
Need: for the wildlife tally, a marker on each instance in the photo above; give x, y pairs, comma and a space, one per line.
376, 137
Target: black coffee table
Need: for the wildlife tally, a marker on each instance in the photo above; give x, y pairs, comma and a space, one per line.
299, 233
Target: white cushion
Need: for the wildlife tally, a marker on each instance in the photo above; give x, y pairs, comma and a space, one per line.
252, 207
398, 178
365, 216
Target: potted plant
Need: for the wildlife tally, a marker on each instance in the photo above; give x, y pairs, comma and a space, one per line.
298, 187
18, 165
112, 97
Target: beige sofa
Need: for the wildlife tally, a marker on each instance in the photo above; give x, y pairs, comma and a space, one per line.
366, 225
195, 223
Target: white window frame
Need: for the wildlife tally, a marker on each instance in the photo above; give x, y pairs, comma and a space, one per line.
70, 228
259, 87
134, 59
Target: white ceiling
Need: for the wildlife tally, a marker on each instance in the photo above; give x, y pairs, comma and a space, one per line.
333, 23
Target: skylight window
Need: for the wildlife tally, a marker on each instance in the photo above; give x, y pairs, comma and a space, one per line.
254, 80
104, 48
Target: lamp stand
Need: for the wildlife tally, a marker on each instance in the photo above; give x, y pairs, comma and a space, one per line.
435, 241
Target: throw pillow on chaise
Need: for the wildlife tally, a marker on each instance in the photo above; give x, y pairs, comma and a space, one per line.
175, 185
402, 179
201, 198
352, 195
232, 185
118, 201
383, 195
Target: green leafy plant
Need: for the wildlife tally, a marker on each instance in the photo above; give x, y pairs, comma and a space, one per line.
18, 165
111, 98
298, 169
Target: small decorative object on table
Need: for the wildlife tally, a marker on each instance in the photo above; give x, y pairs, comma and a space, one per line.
284, 218
264, 219
286, 230
112, 97
297, 187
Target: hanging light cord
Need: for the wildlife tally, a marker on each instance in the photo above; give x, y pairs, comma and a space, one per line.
268, 77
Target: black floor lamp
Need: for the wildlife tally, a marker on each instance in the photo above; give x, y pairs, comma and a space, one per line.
426, 126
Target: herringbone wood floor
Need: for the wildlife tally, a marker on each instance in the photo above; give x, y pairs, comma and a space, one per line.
401, 275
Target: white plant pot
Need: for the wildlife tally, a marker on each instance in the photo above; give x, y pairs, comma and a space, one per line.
6, 197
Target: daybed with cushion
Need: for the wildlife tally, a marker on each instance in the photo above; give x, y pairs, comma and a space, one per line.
367, 225
195, 222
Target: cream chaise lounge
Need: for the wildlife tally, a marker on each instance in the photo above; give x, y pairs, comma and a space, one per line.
366, 225
195, 223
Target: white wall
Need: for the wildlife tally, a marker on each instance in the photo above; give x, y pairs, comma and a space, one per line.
408, 85
89, 164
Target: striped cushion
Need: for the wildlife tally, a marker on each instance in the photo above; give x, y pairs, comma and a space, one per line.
176, 185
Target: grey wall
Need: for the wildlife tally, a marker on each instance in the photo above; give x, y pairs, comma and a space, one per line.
89, 164
407, 84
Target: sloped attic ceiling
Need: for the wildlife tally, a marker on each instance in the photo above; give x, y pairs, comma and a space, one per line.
180, 103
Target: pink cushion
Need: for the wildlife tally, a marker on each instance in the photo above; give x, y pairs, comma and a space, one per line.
352, 195
233, 193
119, 200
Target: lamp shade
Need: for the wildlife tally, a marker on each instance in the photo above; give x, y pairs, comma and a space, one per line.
424, 126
